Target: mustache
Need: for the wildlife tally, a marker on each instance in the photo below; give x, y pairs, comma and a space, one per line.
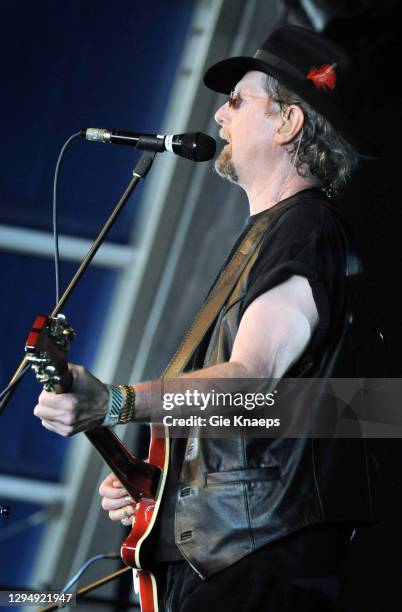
224, 134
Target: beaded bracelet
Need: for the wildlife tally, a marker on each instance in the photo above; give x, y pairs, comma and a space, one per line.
121, 405
126, 414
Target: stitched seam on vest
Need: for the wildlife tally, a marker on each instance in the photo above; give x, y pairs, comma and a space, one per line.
248, 515
243, 451
267, 474
314, 471
239, 299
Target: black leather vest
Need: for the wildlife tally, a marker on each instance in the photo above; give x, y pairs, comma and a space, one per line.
239, 494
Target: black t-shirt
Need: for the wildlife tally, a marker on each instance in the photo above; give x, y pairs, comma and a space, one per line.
304, 237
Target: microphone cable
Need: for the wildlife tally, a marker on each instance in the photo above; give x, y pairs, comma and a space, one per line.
6, 390
85, 566
55, 216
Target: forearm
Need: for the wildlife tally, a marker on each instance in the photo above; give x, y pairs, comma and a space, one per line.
145, 393
268, 358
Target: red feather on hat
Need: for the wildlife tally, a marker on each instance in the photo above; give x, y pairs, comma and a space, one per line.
323, 77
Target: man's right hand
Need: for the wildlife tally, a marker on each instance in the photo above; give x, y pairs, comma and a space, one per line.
116, 500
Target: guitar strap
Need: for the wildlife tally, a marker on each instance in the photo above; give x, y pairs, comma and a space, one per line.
246, 253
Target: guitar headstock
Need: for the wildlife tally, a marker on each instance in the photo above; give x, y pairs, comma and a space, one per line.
46, 350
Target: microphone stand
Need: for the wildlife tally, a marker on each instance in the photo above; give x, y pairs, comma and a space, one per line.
148, 478
140, 172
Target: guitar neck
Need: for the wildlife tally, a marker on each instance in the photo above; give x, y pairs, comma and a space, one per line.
46, 348
140, 478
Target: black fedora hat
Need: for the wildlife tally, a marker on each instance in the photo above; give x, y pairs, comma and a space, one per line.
313, 67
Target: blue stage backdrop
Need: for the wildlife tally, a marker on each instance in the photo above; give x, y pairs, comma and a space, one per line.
68, 65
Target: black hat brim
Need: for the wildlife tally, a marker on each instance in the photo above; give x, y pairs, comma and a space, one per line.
223, 77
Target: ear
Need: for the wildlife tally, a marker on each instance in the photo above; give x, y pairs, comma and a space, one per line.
292, 122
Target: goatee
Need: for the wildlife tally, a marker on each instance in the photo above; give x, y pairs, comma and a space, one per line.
224, 165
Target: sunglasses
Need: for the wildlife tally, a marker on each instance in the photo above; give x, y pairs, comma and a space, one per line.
235, 98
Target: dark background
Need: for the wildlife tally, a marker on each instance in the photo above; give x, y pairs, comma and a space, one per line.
371, 31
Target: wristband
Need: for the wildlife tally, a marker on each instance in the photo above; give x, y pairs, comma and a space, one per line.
117, 400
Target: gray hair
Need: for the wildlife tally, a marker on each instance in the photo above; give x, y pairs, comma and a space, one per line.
322, 154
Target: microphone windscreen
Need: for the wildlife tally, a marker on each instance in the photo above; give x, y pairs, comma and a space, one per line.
198, 146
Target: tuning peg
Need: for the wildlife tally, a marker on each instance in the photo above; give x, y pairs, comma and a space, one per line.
69, 333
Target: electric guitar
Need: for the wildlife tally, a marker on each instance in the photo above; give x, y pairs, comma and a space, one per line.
46, 350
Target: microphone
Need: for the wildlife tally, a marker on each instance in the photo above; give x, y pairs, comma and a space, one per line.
195, 146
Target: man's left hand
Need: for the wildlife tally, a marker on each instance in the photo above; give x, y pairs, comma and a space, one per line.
84, 407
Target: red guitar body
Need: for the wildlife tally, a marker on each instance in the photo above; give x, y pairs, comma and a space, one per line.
136, 548
46, 349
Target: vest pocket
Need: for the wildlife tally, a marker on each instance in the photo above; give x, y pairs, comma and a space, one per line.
271, 472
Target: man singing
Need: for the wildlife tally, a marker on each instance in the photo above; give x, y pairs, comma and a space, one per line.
261, 524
